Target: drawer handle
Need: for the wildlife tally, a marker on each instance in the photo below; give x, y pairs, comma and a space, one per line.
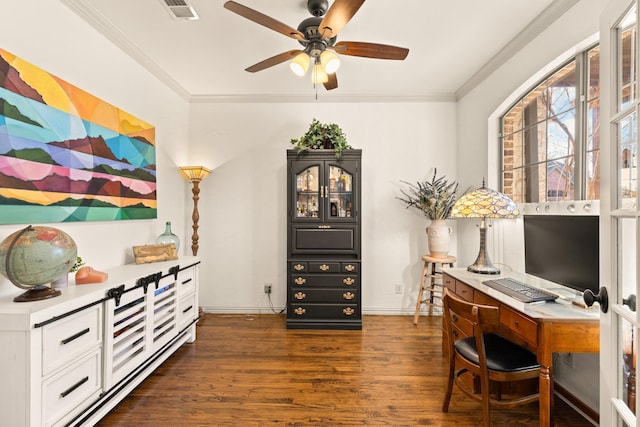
300, 281
348, 281
324, 267
298, 267
300, 311
186, 281
350, 267
75, 336
454, 333
348, 311
187, 309
300, 295
73, 387
455, 318
348, 296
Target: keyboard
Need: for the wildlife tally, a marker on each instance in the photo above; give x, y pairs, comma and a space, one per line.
520, 291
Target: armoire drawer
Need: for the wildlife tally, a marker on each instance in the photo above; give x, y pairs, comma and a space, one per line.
325, 295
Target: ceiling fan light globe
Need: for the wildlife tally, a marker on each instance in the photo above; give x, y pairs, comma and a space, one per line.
300, 64
318, 74
330, 61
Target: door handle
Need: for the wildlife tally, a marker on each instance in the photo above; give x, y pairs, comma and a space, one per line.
630, 302
602, 297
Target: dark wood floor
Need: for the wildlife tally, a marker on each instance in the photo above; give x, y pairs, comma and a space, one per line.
251, 371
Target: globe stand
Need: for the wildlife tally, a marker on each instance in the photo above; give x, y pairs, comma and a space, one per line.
36, 294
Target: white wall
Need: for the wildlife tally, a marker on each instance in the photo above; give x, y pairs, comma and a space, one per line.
474, 109
243, 207
50, 36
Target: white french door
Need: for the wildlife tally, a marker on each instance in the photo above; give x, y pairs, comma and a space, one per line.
620, 214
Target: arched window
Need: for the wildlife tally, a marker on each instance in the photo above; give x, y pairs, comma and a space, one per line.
550, 137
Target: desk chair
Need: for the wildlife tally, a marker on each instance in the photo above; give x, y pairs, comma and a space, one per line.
483, 354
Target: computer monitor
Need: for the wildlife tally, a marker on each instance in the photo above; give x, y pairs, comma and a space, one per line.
563, 249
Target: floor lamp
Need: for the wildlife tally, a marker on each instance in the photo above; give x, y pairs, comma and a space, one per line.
195, 174
484, 203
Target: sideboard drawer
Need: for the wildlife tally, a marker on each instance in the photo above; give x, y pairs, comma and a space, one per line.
521, 325
68, 338
186, 281
72, 389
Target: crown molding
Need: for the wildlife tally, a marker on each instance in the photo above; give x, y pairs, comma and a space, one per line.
322, 98
547, 17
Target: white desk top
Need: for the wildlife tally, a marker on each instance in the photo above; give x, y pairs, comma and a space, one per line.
563, 308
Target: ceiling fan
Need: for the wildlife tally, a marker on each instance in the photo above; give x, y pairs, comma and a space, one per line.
318, 35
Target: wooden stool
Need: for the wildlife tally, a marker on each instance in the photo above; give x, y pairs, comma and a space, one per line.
430, 273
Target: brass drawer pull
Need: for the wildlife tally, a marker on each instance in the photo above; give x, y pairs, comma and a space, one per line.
300, 281
348, 281
348, 296
324, 267
300, 295
298, 267
348, 311
300, 311
350, 267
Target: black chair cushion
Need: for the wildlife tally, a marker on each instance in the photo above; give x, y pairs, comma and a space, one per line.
502, 354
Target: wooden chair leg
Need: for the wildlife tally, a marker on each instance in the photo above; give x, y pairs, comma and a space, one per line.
447, 395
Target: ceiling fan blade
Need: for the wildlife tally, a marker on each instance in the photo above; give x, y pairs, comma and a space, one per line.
340, 12
371, 50
262, 19
274, 60
332, 83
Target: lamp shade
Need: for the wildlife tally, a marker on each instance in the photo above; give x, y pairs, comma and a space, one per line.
318, 74
484, 203
330, 61
194, 173
300, 64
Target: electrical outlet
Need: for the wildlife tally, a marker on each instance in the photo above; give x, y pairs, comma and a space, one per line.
398, 289
568, 359
267, 288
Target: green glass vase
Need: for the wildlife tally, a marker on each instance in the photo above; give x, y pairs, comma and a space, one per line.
168, 237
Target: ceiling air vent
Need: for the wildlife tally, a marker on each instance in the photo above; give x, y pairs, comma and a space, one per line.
181, 10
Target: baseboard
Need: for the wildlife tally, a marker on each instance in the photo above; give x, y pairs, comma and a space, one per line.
589, 413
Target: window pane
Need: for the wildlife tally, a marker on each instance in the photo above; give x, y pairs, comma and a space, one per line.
627, 162
535, 108
535, 183
535, 145
561, 134
517, 187
627, 67
562, 90
512, 121
594, 73
560, 184
593, 175
593, 125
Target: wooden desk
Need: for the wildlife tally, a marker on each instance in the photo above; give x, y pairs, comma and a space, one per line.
544, 329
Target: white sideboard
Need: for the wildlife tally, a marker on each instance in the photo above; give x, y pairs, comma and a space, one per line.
69, 360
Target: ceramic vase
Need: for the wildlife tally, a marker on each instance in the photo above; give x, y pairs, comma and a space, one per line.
439, 238
168, 237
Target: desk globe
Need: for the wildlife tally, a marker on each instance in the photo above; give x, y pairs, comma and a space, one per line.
33, 257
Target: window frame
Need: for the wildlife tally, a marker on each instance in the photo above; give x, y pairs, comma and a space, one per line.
581, 133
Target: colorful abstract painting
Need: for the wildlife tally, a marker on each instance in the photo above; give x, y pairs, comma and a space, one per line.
66, 155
